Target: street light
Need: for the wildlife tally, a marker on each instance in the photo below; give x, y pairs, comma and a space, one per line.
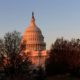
39, 58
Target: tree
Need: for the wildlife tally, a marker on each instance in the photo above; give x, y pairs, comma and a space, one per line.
16, 67
64, 56
11, 43
11, 48
1, 50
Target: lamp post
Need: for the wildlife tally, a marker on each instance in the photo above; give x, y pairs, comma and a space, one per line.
39, 58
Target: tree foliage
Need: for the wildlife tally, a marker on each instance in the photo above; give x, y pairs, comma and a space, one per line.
64, 56
14, 65
12, 42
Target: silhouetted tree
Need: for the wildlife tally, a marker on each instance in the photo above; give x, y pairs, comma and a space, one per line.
1, 50
15, 66
11, 43
64, 56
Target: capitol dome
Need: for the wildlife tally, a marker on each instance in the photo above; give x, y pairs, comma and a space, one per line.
33, 37
32, 27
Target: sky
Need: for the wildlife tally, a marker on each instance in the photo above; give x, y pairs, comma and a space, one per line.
56, 18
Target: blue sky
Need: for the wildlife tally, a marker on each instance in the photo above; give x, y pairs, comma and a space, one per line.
56, 18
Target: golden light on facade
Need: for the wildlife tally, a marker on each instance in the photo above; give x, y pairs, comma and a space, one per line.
34, 42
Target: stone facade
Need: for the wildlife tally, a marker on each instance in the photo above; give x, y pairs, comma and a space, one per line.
35, 45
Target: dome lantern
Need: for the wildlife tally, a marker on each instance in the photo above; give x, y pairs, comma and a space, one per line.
33, 16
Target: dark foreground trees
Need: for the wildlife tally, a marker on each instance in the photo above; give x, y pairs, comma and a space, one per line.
12, 64
64, 57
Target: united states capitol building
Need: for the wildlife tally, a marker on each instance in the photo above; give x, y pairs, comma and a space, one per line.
34, 41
